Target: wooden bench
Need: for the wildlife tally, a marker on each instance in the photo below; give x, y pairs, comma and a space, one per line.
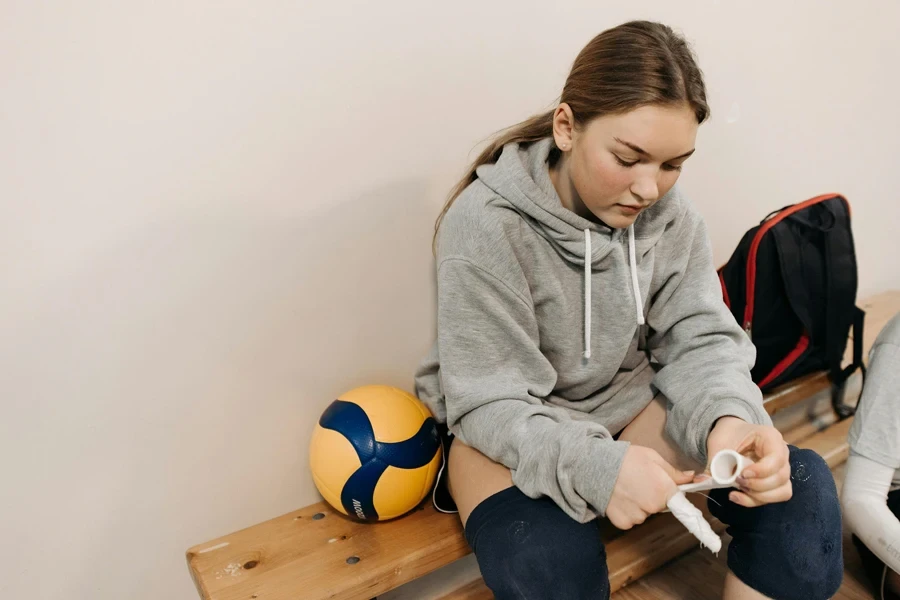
317, 553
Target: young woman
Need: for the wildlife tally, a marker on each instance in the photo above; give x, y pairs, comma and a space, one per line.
585, 356
871, 492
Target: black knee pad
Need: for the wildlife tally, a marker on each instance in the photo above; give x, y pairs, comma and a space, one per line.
790, 550
530, 548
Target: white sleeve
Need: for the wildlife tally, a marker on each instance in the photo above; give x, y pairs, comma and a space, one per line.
864, 501
875, 432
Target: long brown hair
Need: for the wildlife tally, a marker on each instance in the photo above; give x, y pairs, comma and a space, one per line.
626, 67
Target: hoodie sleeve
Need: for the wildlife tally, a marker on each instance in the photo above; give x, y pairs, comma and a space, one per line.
704, 355
494, 378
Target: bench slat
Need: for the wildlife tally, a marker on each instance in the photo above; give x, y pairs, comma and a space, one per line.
796, 391
280, 557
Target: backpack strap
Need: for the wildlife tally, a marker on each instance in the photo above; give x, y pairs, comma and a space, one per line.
840, 278
791, 262
840, 376
840, 309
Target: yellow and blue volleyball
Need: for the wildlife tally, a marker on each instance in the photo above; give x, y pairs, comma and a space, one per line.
375, 453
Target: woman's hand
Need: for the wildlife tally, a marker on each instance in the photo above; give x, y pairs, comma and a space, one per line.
768, 480
644, 485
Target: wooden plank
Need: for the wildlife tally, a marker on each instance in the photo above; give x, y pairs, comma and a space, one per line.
699, 575
804, 430
831, 443
796, 391
276, 559
475, 590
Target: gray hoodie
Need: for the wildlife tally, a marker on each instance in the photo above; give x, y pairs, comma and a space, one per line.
540, 354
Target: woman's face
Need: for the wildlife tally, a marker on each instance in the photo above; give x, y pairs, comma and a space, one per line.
619, 165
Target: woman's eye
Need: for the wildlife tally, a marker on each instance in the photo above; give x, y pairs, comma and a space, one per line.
625, 163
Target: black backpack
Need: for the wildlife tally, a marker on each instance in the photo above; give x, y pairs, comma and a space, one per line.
791, 284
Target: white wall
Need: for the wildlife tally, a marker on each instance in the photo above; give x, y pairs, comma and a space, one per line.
216, 216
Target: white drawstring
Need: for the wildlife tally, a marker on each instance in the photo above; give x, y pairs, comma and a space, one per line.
587, 293
632, 262
638, 303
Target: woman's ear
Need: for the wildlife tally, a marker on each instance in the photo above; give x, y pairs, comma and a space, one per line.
563, 127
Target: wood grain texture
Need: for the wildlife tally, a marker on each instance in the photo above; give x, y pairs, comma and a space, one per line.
298, 555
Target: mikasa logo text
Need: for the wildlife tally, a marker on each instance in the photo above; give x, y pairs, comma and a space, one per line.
357, 507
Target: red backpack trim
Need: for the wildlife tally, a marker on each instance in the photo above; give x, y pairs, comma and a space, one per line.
787, 361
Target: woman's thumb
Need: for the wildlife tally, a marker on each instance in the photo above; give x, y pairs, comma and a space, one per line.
684, 477
679, 477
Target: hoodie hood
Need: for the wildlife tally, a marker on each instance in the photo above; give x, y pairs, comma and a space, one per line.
521, 177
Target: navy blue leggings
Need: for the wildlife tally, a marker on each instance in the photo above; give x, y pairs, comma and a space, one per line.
792, 550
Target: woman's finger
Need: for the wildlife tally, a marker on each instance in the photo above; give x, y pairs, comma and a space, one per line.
618, 519
765, 484
773, 453
752, 500
637, 516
